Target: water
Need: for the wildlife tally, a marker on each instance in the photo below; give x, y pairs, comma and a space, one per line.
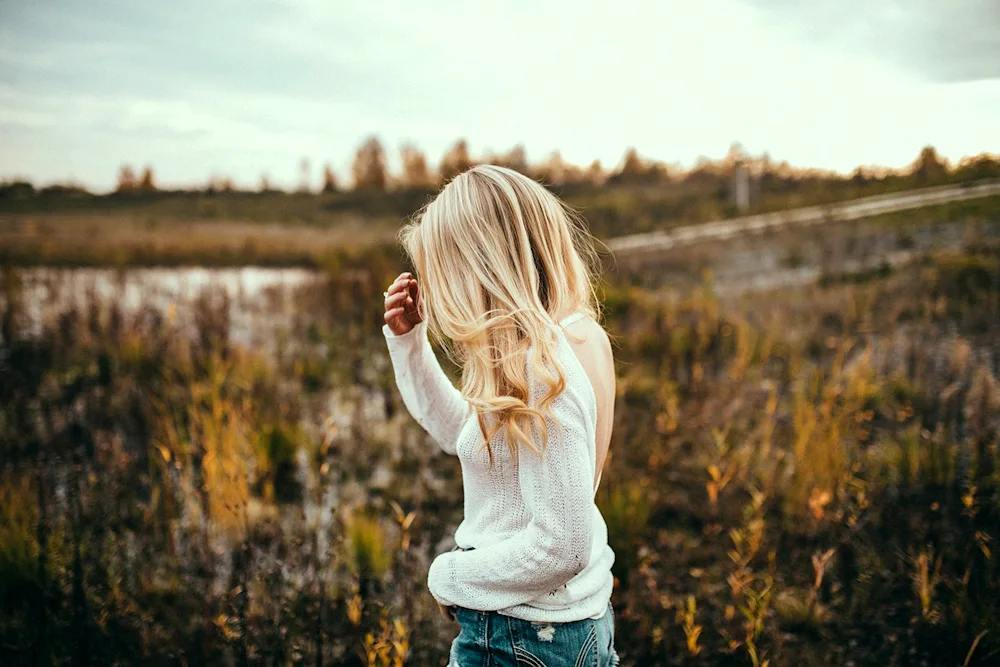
263, 306
260, 300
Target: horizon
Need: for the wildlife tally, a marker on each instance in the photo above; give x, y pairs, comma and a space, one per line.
242, 94
876, 171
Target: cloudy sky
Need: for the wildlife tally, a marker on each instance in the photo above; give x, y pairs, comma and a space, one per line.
246, 87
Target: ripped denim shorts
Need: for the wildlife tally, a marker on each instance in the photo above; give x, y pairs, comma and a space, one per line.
491, 639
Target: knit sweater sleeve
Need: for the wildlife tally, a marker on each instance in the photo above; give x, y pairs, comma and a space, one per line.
427, 392
555, 544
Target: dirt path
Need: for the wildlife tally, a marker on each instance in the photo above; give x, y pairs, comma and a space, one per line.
841, 211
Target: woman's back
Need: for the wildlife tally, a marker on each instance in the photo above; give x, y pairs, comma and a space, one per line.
592, 347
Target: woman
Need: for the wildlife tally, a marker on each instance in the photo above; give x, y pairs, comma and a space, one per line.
508, 276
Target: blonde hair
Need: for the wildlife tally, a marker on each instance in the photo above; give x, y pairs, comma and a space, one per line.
501, 260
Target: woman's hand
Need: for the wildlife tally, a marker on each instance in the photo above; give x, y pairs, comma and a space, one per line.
403, 304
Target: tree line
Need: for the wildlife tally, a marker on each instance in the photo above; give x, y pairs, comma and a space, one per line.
370, 172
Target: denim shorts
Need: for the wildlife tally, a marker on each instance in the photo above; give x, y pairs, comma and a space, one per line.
491, 639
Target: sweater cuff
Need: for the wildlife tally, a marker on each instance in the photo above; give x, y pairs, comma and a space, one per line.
412, 334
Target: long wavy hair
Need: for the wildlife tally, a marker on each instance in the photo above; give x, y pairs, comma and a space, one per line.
502, 260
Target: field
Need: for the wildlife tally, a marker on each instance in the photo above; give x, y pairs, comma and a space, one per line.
207, 467
63, 226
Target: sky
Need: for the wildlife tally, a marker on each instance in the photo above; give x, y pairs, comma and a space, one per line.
242, 88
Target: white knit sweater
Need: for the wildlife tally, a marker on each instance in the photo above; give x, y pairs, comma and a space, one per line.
537, 545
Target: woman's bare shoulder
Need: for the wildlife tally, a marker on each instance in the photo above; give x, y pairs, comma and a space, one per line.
592, 345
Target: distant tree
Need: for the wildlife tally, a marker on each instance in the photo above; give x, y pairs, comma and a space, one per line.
16, 190
415, 171
369, 166
859, 177
455, 161
516, 158
147, 183
705, 172
126, 178
553, 170
557, 171
764, 165
63, 190
657, 172
929, 167
304, 176
785, 171
979, 166
329, 179
595, 173
265, 184
633, 166
219, 183
635, 169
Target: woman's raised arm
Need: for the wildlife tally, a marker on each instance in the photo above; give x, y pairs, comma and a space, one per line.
427, 391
